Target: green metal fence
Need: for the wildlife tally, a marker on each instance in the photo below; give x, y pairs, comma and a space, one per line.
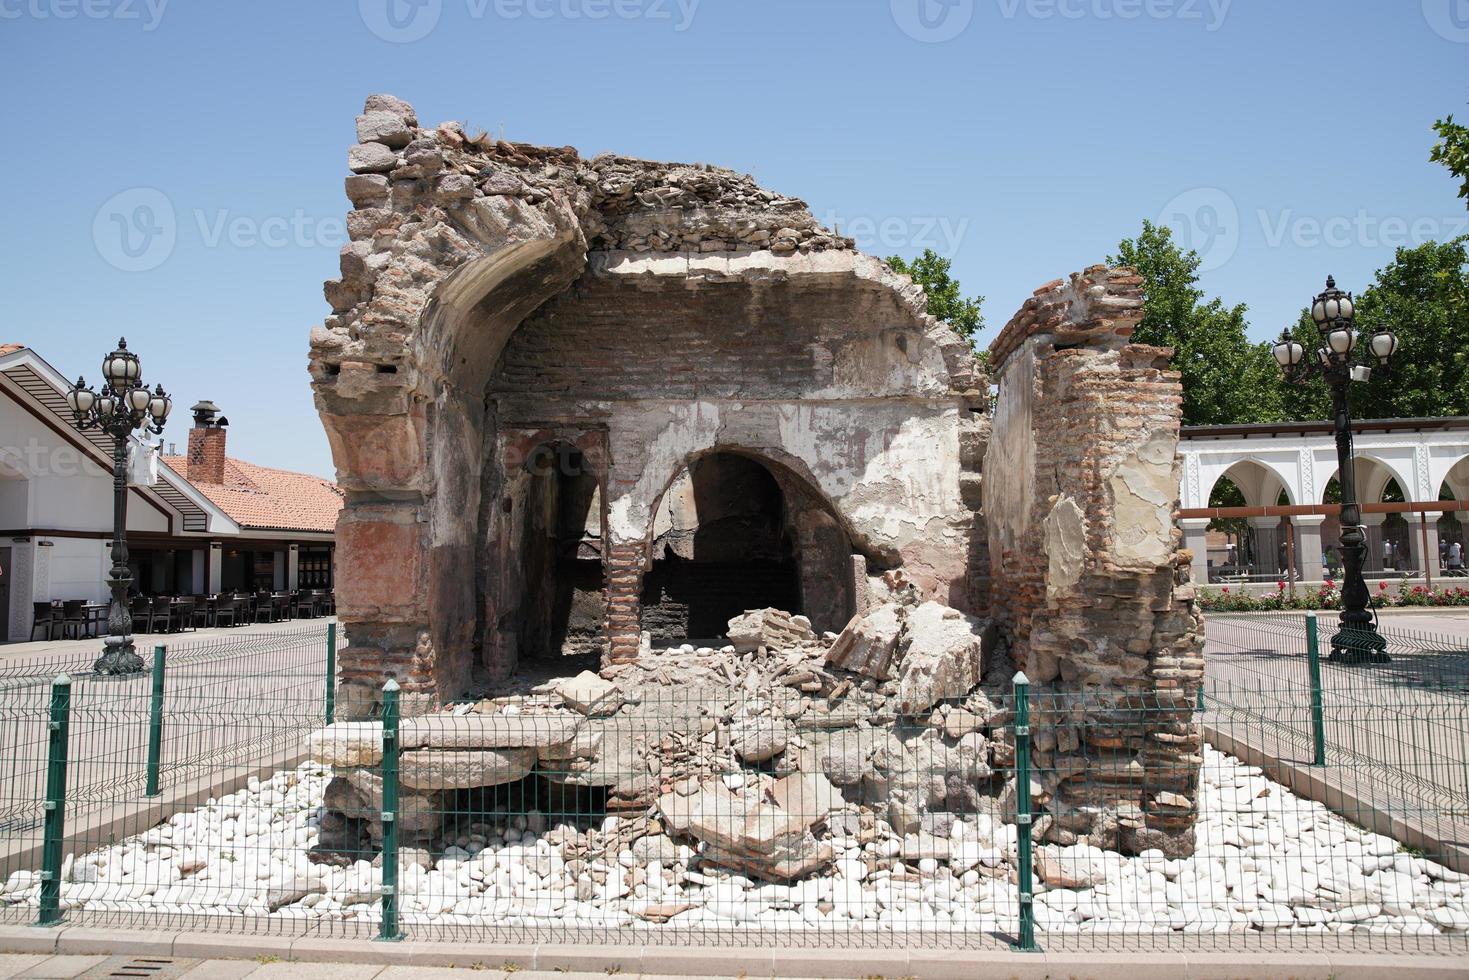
770, 816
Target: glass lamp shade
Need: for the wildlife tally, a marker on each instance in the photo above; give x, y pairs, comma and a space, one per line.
1383, 345
1342, 340
138, 399
1332, 305
81, 398
1287, 352
160, 405
121, 367
106, 405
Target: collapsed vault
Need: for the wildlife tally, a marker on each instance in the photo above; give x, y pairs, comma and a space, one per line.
527, 348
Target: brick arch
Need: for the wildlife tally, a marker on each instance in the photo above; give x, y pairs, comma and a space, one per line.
829, 592
401, 398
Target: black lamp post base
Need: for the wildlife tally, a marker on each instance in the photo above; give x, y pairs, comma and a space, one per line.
119, 657
1359, 646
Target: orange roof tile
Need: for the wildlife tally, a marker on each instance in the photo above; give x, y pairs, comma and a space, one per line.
11, 348
269, 499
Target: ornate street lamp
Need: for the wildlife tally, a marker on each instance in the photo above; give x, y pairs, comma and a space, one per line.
1336, 361
123, 405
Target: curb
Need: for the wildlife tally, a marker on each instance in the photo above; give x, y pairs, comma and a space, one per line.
692, 960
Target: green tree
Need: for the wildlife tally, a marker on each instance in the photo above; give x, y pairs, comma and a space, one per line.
945, 301
1452, 150
1226, 378
1422, 296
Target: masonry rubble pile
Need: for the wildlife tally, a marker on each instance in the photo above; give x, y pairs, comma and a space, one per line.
748, 752
1266, 861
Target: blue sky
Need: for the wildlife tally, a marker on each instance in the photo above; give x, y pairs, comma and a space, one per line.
1286, 139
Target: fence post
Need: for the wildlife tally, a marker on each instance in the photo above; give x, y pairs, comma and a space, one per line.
155, 721
331, 673
390, 931
1022, 813
1318, 711
55, 805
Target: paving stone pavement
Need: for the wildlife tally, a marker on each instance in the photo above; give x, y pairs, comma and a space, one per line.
38, 966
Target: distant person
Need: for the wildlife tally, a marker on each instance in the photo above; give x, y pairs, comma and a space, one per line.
1454, 560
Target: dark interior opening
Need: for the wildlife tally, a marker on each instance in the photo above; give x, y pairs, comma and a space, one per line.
492, 810
722, 545
562, 552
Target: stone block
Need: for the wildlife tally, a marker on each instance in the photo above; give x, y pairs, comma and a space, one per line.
378, 452
383, 550
437, 769
867, 644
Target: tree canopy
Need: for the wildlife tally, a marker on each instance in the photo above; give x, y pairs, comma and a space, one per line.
1422, 296
1452, 150
1226, 378
945, 300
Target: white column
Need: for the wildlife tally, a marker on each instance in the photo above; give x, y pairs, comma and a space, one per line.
1308, 546
1423, 557
1267, 545
1194, 539
1373, 525
216, 567
293, 568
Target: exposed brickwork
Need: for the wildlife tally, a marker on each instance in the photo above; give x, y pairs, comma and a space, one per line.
624, 600
1098, 616
206, 457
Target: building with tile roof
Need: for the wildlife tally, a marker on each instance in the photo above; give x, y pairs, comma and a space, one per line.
201, 523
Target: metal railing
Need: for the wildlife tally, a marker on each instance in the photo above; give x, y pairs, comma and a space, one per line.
1018, 817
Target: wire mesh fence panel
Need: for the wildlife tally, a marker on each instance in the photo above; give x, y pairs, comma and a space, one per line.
593, 810
1400, 720
231, 701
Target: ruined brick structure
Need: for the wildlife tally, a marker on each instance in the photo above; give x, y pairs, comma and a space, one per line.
528, 349
1083, 535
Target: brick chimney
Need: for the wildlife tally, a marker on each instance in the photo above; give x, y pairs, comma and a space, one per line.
206, 444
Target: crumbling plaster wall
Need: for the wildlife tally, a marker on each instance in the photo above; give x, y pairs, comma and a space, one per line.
457, 240
1096, 602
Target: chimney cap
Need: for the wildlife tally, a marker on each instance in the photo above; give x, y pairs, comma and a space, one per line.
204, 413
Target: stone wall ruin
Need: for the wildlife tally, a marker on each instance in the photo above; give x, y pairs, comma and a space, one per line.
573, 403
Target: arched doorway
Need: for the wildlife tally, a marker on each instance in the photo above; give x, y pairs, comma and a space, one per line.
732, 533
545, 582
